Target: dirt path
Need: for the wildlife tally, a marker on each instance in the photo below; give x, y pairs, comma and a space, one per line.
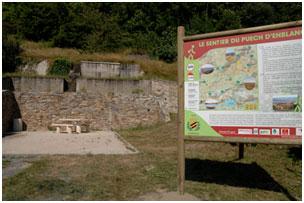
16, 164
101, 142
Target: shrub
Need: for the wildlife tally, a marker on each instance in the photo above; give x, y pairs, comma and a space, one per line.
60, 67
10, 54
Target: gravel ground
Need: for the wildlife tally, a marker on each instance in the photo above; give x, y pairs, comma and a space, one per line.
101, 142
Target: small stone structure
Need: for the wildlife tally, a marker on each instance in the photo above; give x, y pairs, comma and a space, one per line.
91, 69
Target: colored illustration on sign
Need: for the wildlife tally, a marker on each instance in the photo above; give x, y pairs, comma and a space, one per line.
228, 79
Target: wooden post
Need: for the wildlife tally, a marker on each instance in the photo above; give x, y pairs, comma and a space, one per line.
241, 150
180, 122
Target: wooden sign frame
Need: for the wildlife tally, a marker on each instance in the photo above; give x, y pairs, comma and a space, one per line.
181, 38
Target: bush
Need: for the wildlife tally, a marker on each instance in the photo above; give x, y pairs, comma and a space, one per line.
10, 54
60, 67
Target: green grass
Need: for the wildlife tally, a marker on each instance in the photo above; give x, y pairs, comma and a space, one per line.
5, 163
267, 172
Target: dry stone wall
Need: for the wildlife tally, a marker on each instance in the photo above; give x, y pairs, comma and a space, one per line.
107, 104
166, 91
104, 111
102, 86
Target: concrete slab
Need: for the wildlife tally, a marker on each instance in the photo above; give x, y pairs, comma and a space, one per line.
101, 142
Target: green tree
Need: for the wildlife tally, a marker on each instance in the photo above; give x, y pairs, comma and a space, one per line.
145, 28
10, 54
38, 21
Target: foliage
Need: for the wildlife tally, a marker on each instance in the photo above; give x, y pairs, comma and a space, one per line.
10, 54
146, 28
60, 67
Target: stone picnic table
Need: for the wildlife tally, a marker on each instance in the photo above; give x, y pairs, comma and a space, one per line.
70, 124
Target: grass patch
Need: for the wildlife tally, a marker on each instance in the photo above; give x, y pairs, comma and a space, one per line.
36, 51
5, 163
266, 172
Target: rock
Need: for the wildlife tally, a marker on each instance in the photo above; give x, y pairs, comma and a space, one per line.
42, 67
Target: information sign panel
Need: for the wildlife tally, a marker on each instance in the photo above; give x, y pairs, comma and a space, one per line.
244, 85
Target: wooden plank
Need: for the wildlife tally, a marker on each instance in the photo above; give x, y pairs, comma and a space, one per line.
180, 122
243, 31
281, 141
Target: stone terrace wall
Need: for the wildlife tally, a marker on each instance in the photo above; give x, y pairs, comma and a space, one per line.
109, 70
106, 103
29, 84
167, 92
104, 111
113, 86
164, 91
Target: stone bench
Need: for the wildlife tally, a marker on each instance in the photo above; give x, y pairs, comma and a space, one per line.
79, 123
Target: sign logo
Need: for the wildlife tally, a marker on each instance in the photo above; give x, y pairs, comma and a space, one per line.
244, 131
191, 52
255, 131
190, 73
264, 132
285, 131
275, 131
299, 131
193, 124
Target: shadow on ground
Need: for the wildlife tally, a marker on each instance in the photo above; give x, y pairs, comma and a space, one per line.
295, 153
233, 174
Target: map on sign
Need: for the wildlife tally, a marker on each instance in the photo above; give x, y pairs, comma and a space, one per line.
228, 79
